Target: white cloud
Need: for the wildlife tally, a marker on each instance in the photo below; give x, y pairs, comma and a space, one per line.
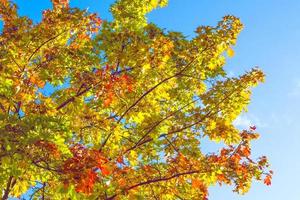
245, 120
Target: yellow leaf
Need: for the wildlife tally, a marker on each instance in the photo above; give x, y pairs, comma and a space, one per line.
20, 188
133, 158
230, 52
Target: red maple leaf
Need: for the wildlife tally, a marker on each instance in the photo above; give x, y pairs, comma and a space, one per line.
253, 128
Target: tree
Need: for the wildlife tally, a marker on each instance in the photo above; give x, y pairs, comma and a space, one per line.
94, 109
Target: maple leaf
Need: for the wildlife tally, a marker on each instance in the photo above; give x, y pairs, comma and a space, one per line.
86, 184
245, 151
197, 183
120, 160
267, 180
107, 102
230, 52
105, 170
122, 182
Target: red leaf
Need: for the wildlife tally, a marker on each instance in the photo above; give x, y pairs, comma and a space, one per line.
253, 128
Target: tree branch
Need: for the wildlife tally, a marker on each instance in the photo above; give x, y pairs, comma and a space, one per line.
155, 181
10, 184
155, 86
208, 114
71, 99
44, 43
159, 122
149, 91
36, 191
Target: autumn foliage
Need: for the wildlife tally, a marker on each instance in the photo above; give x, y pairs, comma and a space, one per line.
95, 109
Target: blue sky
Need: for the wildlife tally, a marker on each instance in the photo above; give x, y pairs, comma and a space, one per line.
271, 40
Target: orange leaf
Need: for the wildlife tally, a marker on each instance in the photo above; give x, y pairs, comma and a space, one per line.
40, 83
267, 180
122, 182
246, 151
107, 102
86, 184
196, 183
105, 171
120, 160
